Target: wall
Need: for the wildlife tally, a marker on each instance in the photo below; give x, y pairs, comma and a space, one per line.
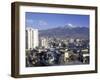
5, 40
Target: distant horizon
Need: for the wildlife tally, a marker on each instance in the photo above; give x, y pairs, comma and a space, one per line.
57, 27
43, 21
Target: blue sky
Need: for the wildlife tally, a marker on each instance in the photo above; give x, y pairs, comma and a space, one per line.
47, 20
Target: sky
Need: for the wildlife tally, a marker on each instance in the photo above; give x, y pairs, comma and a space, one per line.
43, 21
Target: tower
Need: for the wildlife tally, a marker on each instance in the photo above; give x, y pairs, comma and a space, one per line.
31, 38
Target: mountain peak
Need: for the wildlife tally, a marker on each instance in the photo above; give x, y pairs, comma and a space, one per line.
70, 26
67, 31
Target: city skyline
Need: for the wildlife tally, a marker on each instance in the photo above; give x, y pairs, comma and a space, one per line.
43, 21
56, 46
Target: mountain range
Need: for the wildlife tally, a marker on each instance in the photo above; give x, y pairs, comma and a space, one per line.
66, 32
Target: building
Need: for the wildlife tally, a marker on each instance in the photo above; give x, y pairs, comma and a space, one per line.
85, 54
32, 39
71, 40
44, 42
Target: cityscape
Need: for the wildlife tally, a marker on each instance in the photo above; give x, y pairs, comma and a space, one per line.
55, 46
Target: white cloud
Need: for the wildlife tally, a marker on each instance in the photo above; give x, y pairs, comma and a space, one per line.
29, 21
42, 22
36, 23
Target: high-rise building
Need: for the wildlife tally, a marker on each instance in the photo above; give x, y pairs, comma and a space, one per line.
32, 40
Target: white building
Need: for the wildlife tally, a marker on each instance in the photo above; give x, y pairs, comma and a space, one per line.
44, 42
71, 40
32, 39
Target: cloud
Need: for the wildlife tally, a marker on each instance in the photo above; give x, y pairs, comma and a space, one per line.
42, 22
38, 24
29, 22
